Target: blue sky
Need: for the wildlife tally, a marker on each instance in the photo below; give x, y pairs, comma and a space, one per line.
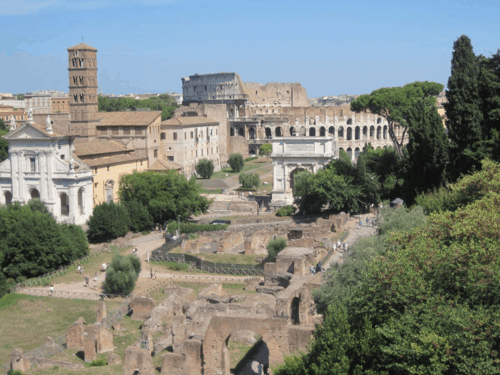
330, 47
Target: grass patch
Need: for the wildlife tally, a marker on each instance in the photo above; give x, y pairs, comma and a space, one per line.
173, 266
212, 191
26, 321
251, 165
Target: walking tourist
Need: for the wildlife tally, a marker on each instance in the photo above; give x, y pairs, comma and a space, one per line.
95, 276
51, 288
78, 269
87, 279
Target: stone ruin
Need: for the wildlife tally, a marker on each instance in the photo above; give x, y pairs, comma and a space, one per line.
18, 362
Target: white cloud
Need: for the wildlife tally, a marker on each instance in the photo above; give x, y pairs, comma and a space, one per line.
23, 6
19, 7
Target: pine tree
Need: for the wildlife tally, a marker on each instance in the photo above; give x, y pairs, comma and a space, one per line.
463, 109
426, 153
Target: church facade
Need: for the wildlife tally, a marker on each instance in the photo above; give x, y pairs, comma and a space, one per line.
42, 165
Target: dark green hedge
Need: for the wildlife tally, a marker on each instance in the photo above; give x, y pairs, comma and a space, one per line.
193, 227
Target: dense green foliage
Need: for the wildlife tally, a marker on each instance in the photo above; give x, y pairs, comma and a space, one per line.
167, 196
164, 103
108, 221
236, 162
393, 104
251, 158
194, 227
98, 362
140, 218
34, 244
463, 109
274, 247
426, 302
249, 180
122, 274
4, 145
285, 211
266, 149
427, 151
205, 168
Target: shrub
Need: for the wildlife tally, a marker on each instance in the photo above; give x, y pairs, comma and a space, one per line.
266, 149
136, 263
205, 168
251, 158
108, 221
175, 266
15, 372
236, 162
249, 180
274, 247
193, 227
121, 275
140, 218
285, 211
98, 362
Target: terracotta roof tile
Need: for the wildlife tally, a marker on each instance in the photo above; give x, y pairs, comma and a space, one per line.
82, 46
164, 165
99, 147
115, 159
133, 118
189, 120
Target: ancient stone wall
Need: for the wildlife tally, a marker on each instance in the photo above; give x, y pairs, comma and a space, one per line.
276, 94
137, 361
141, 307
239, 145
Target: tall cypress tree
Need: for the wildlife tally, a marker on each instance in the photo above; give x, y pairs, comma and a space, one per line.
463, 109
427, 151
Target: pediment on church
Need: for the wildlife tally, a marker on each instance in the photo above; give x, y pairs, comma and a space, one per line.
26, 132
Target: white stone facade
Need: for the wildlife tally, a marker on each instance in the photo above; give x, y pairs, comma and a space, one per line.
42, 165
293, 154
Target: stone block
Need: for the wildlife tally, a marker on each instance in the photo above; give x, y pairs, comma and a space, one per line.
117, 327
251, 283
230, 240
18, 362
104, 341
49, 341
173, 364
272, 290
214, 294
101, 312
90, 343
141, 307
74, 336
47, 363
137, 361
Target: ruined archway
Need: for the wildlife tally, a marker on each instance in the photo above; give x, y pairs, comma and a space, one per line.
312, 132
341, 132
349, 134
292, 131
278, 132
273, 332
241, 132
269, 133
331, 130
245, 353
251, 133
322, 131
292, 176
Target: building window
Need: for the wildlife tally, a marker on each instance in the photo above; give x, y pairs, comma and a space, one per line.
141, 163
175, 136
32, 165
185, 135
155, 153
191, 135
62, 157
138, 130
108, 168
205, 87
163, 136
95, 185
170, 158
114, 131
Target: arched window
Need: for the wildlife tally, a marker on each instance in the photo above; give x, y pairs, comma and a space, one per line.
80, 201
372, 131
278, 132
241, 131
356, 152
349, 134
349, 152
385, 131
356, 133
379, 131
108, 187
292, 131
251, 133
331, 130
269, 133
312, 132
379, 120
64, 204
365, 131
35, 194
8, 197
322, 131
341, 132
231, 132
349, 121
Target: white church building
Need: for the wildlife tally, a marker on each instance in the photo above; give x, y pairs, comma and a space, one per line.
41, 165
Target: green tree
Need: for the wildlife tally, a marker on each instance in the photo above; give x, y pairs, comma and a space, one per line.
427, 151
108, 221
463, 109
274, 247
249, 180
4, 145
121, 275
167, 196
205, 168
266, 149
164, 103
392, 103
140, 218
236, 162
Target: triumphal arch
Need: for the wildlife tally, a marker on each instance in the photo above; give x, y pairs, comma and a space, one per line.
293, 154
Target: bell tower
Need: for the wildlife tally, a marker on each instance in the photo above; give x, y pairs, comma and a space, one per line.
83, 86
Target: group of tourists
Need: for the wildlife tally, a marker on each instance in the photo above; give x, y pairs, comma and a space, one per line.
316, 269
152, 274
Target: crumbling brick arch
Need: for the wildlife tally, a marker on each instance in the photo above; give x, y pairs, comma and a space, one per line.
274, 332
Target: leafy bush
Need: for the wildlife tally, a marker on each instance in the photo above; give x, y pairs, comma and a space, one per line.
175, 266
140, 218
286, 211
236, 162
15, 372
121, 275
249, 180
98, 362
251, 158
108, 221
274, 247
193, 227
136, 263
205, 168
266, 149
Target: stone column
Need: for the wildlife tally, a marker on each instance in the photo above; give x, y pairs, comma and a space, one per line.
50, 185
20, 176
15, 176
73, 201
43, 176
